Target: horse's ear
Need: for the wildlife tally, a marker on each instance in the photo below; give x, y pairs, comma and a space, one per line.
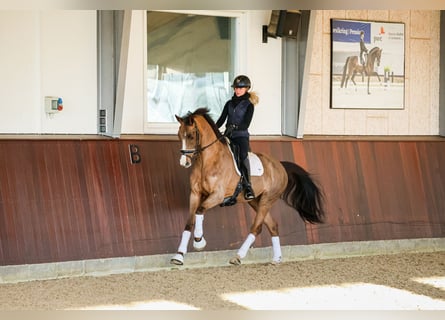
179, 119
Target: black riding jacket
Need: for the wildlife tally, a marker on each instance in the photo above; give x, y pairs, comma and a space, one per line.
239, 112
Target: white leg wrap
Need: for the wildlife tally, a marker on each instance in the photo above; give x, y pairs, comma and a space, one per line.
276, 249
242, 252
200, 245
198, 232
184, 241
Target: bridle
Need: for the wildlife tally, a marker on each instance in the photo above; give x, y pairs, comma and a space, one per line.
193, 153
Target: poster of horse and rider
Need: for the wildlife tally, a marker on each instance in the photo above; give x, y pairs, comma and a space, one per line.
367, 64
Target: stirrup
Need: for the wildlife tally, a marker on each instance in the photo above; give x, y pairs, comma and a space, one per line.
249, 196
229, 201
248, 193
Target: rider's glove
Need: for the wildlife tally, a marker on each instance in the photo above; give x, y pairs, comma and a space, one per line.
229, 130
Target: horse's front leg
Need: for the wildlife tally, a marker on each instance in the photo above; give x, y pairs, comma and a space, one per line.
212, 200
198, 206
378, 77
195, 222
353, 81
199, 242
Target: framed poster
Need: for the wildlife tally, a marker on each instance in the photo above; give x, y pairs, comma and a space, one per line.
367, 64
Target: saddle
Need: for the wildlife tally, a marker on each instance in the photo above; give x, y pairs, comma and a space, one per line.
256, 169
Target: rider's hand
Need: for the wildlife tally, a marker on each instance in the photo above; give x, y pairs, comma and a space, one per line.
229, 130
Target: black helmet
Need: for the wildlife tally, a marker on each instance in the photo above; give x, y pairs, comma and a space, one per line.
241, 82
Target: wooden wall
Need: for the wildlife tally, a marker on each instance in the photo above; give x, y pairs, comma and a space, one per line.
74, 199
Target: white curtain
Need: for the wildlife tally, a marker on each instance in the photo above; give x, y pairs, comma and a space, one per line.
179, 93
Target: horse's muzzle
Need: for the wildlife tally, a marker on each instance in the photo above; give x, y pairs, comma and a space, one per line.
185, 161
186, 157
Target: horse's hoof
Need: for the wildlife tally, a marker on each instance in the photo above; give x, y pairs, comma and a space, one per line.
178, 259
276, 261
199, 245
236, 261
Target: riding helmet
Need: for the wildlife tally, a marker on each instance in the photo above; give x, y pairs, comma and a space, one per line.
241, 82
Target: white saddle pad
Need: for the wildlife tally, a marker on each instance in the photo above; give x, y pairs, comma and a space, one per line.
256, 166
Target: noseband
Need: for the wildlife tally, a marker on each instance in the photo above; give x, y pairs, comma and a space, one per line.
193, 153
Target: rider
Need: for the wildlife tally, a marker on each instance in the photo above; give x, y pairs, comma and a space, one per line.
363, 49
239, 112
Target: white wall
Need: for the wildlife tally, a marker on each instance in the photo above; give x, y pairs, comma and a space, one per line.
264, 69
48, 53
20, 72
68, 69
134, 105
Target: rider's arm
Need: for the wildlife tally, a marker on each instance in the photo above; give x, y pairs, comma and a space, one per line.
223, 116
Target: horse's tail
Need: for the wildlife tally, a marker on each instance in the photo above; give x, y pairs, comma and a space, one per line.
345, 68
303, 194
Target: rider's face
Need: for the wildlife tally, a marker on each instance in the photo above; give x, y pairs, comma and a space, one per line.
240, 91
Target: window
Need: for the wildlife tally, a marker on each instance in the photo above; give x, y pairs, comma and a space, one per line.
190, 64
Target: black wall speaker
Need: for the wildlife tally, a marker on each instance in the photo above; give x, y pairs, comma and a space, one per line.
283, 23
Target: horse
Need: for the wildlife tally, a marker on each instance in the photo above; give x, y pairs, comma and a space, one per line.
352, 67
214, 178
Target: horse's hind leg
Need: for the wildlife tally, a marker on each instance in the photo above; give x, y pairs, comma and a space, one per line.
242, 251
272, 226
255, 230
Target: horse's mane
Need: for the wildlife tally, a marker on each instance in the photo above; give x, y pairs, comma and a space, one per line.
373, 49
204, 112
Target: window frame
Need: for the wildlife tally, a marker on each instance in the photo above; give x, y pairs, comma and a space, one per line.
239, 53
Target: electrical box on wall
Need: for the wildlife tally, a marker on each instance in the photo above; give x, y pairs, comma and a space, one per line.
53, 104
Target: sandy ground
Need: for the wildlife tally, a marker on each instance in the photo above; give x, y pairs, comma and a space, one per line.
394, 282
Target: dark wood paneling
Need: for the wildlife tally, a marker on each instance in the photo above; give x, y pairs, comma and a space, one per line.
81, 199
379, 190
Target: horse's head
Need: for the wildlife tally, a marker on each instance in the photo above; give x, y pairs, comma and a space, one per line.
189, 136
195, 129
378, 55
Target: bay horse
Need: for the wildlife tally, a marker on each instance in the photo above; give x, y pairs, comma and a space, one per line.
214, 178
352, 67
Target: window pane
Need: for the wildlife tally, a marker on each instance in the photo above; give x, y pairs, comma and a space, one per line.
189, 64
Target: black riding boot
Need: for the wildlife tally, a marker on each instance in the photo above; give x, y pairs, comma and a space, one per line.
248, 191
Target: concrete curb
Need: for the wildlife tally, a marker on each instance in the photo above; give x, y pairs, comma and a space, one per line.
101, 267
